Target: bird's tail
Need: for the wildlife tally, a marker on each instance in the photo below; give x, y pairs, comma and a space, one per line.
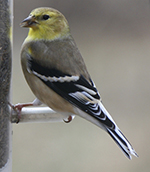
118, 136
122, 142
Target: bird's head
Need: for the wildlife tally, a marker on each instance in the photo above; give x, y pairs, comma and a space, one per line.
46, 23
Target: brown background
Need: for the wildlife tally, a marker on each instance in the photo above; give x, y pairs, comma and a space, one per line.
114, 39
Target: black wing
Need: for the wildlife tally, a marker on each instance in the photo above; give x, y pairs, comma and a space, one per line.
75, 89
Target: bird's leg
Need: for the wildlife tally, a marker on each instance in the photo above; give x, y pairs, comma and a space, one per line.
18, 107
69, 119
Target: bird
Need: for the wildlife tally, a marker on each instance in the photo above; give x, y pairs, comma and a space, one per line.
57, 75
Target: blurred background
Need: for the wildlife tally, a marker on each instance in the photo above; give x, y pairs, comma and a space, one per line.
114, 39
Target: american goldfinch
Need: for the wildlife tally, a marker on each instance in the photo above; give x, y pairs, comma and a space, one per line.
57, 75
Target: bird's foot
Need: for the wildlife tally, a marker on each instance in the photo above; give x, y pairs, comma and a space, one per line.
69, 119
18, 107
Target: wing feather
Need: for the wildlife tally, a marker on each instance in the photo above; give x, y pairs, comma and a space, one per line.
75, 89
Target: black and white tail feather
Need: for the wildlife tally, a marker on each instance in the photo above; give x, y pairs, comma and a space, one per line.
107, 123
83, 95
118, 137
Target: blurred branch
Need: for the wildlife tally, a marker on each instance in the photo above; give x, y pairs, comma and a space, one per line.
5, 77
38, 114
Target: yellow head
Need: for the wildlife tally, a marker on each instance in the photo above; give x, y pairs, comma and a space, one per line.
46, 23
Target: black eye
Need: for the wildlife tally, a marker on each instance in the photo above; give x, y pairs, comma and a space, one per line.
46, 17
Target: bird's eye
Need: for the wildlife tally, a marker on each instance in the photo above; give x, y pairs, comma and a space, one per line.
46, 17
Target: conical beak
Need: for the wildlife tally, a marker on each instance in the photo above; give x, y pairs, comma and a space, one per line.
28, 22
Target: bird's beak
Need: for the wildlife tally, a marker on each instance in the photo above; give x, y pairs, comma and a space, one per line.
28, 22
